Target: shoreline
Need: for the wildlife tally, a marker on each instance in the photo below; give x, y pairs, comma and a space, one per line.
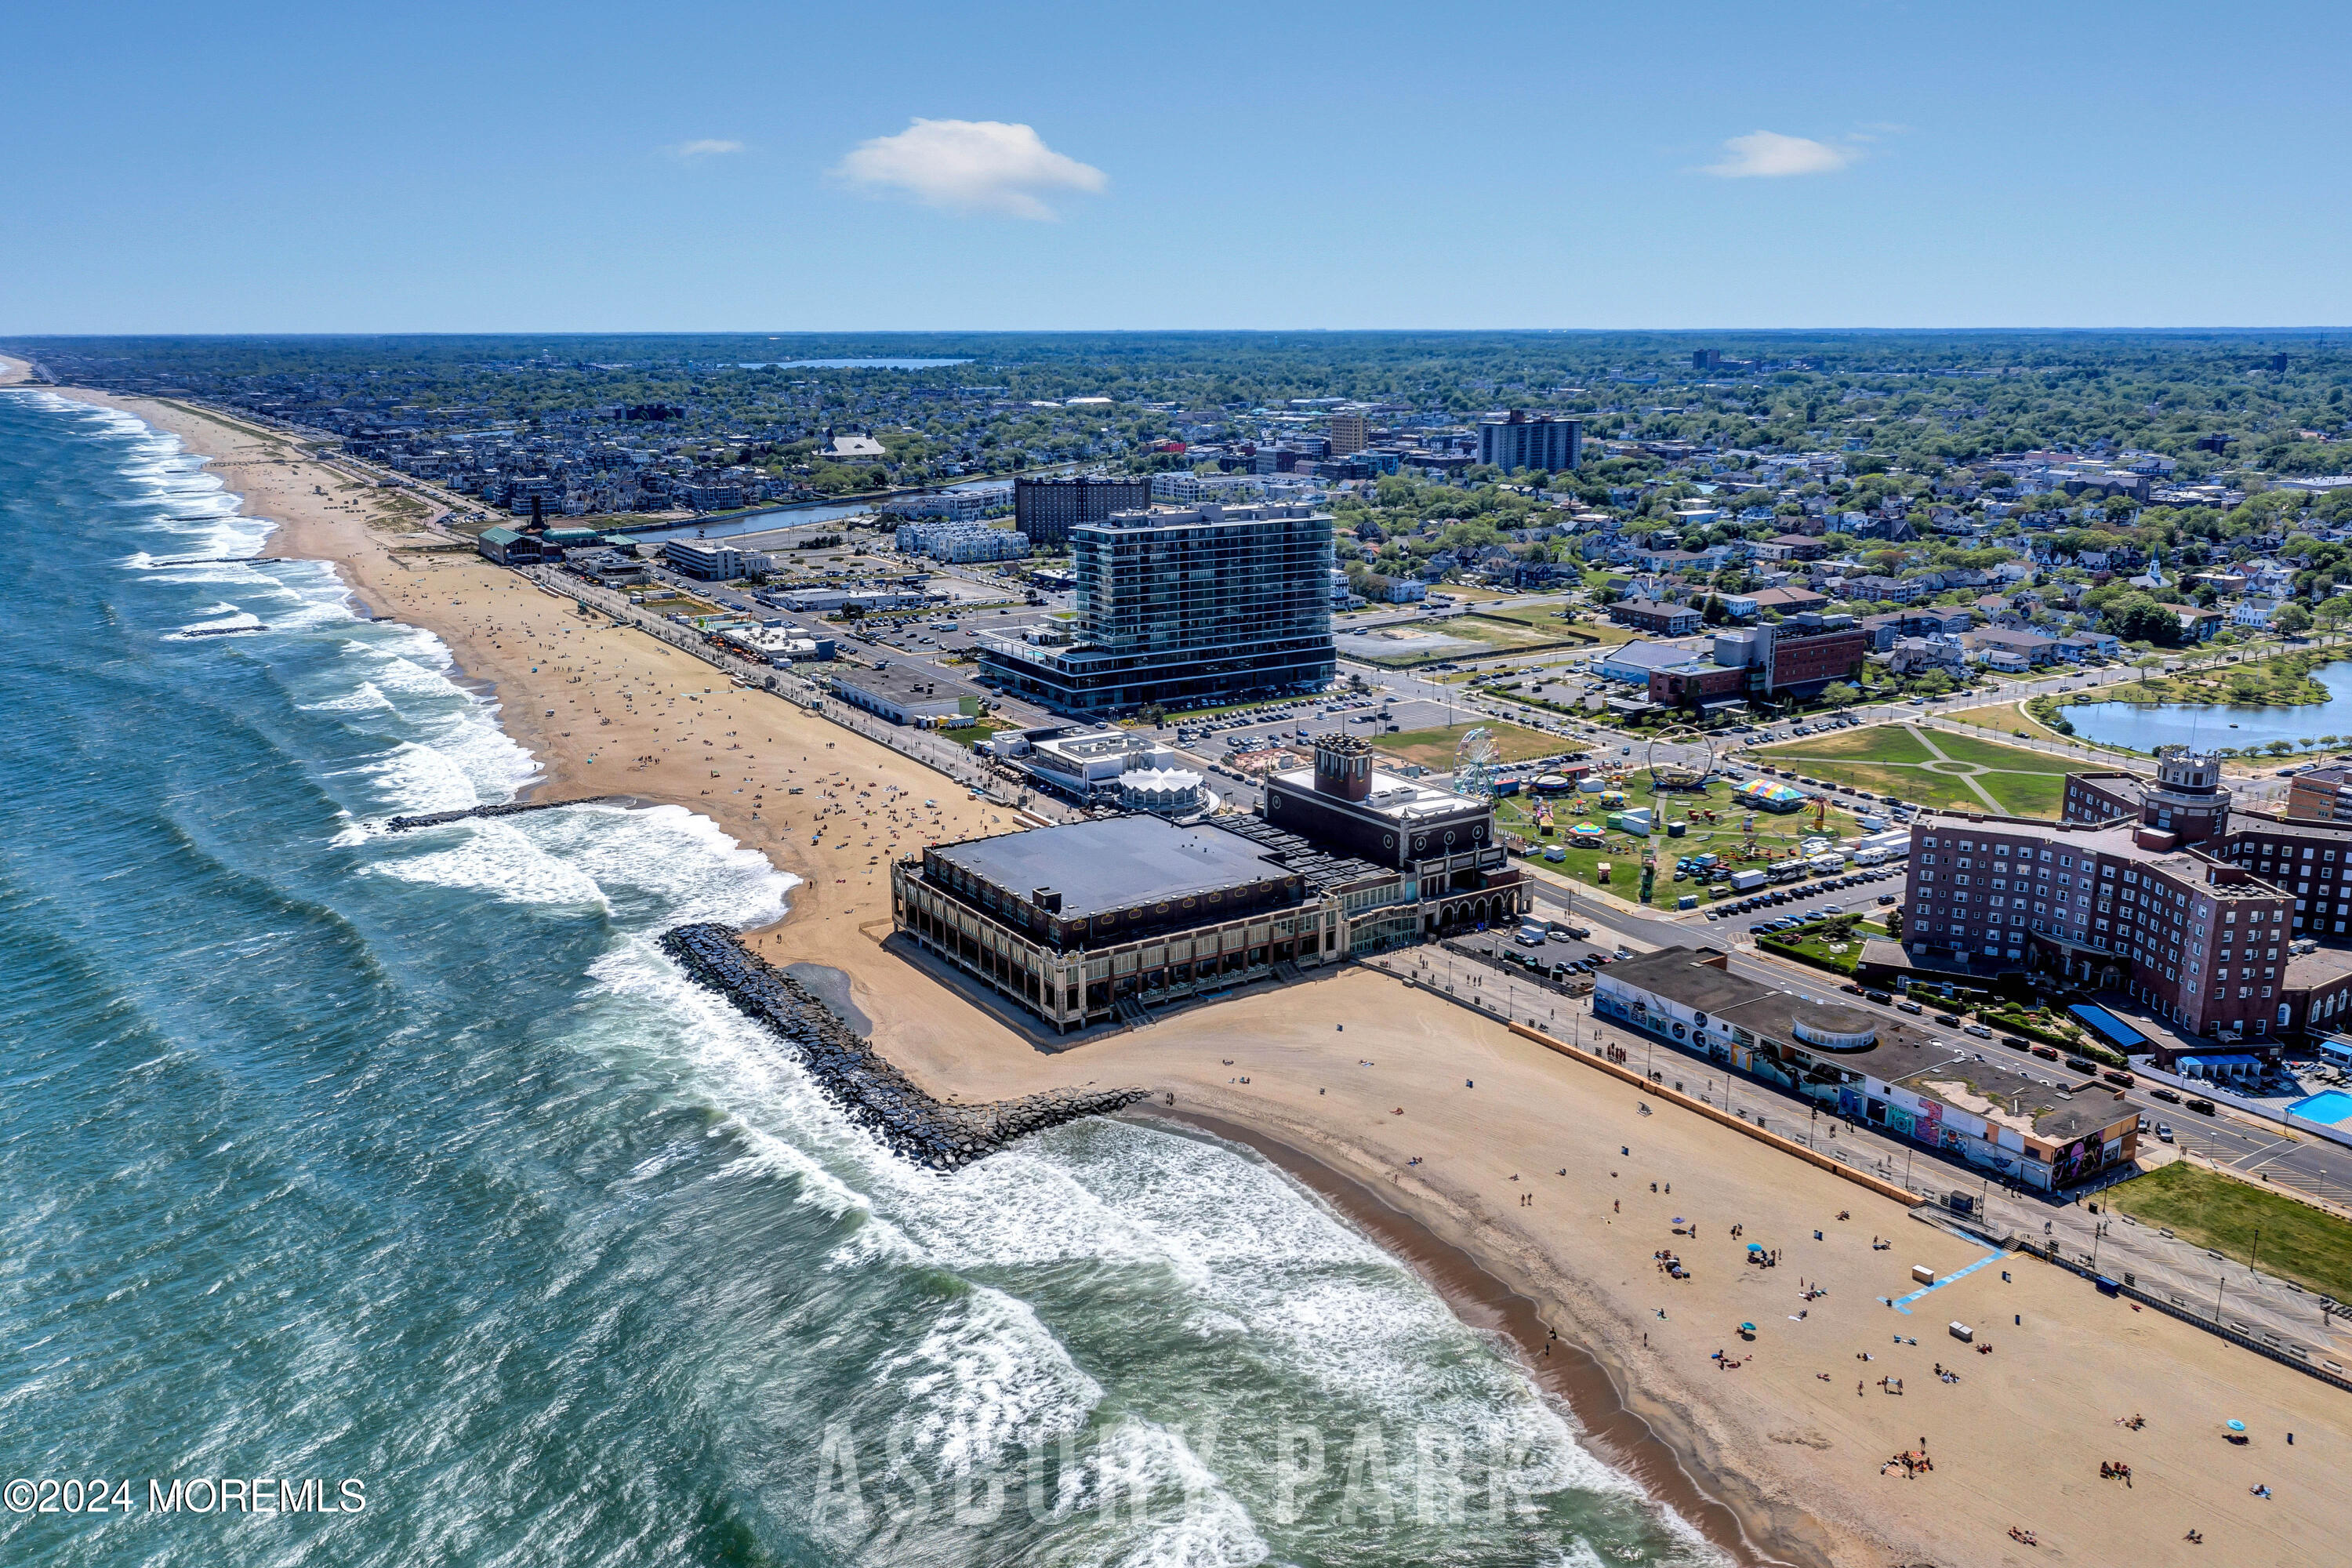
1482, 1298
1798, 1465
1578, 1377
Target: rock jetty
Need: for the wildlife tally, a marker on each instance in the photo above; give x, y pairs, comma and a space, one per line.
873, 1093
511, 808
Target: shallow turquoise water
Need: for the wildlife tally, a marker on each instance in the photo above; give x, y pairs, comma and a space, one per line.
410, 1162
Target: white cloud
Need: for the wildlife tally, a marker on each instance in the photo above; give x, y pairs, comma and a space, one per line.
1768, 154
691, 151
970, 166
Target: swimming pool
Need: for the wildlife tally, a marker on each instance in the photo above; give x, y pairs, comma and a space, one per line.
2331, 1106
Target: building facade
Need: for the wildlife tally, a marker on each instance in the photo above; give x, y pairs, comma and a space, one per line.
1540, 441
1204, 605
1891, 1077
714, 563
1086, 922
1045, 511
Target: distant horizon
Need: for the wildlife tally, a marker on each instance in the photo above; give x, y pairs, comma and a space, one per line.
834, 333
1025, 168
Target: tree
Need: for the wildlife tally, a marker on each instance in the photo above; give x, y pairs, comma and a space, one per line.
1839, 694
2279, 748
2292, 619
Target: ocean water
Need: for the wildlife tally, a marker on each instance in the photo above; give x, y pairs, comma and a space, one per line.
407, 1166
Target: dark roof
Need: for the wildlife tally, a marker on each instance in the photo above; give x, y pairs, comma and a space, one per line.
1912, 1054
1114, 863
1320, 867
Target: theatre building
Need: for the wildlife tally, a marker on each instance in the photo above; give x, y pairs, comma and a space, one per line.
1986, 1108
1459, 874
1091, 923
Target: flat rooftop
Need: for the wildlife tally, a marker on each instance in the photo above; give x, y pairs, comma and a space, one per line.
1998, 1082
905, 682
1116, 863
1392, 795
2118, 838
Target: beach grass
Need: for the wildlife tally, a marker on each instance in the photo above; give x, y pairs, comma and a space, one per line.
2298, 1242
1961, 772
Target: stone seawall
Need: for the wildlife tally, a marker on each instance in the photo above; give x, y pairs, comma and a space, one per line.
872, 1092
511, 808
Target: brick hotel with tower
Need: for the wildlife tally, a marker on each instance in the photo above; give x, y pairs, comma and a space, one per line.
2230, 924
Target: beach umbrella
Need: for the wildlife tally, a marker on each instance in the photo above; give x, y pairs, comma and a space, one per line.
2237, 1426
1755, 1247
1746, 1327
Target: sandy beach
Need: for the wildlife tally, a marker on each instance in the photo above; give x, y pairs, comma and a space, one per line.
1536, 1169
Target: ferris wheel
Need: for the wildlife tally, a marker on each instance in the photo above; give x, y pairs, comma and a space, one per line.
1680, 758
1476, 758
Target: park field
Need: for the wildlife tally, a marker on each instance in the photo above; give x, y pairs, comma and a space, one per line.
2002, 718
1717, 826
2296, 1241
1931, 768
1434, 748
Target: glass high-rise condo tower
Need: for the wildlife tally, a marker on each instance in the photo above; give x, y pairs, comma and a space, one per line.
1209, 603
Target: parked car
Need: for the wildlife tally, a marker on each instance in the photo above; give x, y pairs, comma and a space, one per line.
2164, 1132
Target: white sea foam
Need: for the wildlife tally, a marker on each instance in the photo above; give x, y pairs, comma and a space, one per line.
985, 1379
497, 859
1236, 1249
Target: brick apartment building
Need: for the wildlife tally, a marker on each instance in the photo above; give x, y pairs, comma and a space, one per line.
2156, 889
1795, 659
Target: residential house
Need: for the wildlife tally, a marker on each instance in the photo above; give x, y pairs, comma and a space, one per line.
1918, 655
1787, 600
1900, 590
2196, 625
2033, 648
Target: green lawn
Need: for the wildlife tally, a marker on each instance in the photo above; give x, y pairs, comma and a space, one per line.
2298, 1242
1813, 944
1435, 747
1931, 767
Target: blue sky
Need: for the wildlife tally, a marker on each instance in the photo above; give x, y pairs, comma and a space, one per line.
468, 168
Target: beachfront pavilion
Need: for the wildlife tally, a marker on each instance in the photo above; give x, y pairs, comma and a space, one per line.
1984, 1107
1087, 922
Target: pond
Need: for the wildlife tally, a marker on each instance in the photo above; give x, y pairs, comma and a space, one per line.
2144, 726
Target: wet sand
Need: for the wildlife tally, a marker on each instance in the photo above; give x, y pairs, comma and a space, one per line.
1520, 1174
1559, 1366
